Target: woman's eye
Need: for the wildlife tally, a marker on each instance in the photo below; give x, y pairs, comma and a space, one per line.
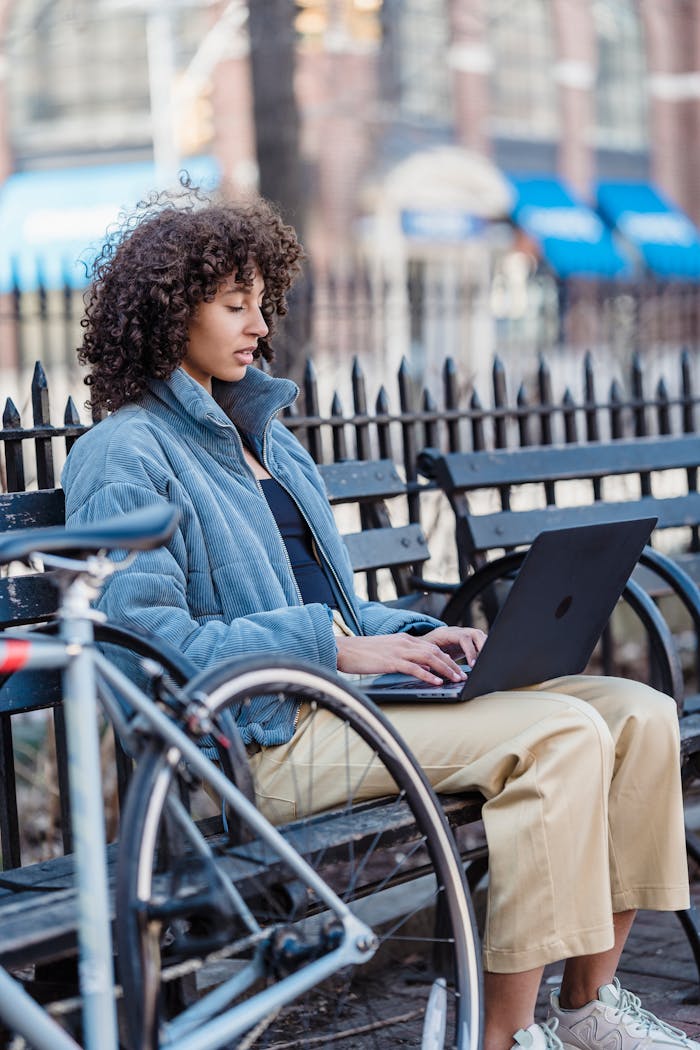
235, 309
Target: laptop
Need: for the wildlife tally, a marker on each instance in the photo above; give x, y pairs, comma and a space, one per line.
555, 612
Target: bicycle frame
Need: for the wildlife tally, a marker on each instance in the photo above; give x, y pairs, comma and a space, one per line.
82, 666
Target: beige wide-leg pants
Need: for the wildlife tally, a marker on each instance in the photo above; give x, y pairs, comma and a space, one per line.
583, 812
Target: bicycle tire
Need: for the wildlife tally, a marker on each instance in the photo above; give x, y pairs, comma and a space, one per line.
348, 999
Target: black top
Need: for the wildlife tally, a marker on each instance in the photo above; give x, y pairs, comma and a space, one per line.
311, 578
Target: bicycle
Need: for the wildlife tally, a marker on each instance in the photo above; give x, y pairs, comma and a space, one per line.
272, 918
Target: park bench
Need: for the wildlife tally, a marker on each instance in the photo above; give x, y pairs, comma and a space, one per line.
37, 901
502, 499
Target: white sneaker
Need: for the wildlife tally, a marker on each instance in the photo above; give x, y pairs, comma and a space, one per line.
615, 1021
538, 1037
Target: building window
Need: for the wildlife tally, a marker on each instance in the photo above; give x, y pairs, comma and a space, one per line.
621, 93
523, 92
424, 82
79, 84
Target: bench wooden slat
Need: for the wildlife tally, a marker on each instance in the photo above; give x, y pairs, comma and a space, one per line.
40, 925
387, 548
514, 528
26, 599
689, 561
380, 545
469, 471
30, 691
356, 481
37, 927
36, 509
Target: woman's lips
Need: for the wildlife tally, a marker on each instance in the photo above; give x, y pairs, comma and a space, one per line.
246, 356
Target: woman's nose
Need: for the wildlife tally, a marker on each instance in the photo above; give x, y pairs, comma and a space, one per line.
258, 323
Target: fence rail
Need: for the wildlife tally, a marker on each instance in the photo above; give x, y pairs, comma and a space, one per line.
536, 415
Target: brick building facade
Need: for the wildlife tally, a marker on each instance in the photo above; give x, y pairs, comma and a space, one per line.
582, 91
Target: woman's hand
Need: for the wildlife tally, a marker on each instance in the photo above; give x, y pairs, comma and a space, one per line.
426, 657
459, 641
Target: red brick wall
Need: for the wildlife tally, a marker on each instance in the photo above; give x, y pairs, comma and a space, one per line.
232, 105
338, 94
671, 32
470, 61
574, 36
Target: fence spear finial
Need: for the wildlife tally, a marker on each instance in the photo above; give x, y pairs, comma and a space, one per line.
10, 417
71, 415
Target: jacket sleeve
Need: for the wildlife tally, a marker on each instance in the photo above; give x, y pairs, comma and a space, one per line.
377, 618
151, 596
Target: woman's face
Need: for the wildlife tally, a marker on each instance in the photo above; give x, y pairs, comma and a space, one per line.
224, 333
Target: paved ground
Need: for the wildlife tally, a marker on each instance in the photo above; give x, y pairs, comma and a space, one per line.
657, 965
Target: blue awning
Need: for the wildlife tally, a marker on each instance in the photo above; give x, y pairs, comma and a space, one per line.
52, 223
573, 239
666, 238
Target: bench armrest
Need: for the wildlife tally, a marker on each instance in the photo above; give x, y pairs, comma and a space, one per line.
433, 586
681, 583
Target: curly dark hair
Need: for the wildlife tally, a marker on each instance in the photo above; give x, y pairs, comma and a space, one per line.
171, 254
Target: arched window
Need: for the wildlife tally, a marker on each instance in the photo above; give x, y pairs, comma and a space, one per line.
621, 91
523, 91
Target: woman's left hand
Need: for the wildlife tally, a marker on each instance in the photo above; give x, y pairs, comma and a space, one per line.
458, 641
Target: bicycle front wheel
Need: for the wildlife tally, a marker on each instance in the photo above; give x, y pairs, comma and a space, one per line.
349, 797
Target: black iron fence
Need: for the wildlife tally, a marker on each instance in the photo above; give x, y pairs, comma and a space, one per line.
396, 424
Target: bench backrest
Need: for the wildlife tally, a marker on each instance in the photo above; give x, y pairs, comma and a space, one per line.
28, 598
379, 544
515, 520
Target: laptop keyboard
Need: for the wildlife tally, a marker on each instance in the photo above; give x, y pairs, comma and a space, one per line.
397, 681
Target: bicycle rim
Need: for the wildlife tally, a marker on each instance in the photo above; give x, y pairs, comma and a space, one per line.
422, 988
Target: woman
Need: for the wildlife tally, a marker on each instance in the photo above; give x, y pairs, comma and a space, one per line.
581, 775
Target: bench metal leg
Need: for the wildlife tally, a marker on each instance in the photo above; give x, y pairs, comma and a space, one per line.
690, 917
690, 921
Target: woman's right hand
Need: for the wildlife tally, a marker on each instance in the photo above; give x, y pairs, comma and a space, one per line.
404, 653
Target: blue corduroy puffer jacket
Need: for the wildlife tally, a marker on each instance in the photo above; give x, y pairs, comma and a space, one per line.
223, 586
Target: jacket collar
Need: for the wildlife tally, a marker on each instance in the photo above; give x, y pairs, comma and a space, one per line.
250, 403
